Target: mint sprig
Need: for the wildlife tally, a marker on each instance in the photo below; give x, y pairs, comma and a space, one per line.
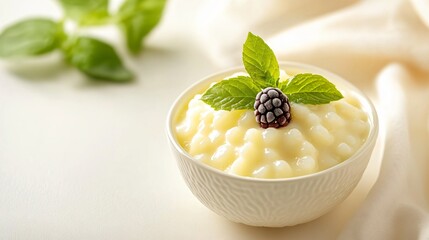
95, 58
262, 66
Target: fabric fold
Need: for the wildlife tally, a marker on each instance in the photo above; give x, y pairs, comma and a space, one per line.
381, 207
383, 48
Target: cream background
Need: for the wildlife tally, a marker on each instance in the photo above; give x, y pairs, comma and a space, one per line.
88, 160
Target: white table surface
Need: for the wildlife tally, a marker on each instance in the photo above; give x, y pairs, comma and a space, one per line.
89, 160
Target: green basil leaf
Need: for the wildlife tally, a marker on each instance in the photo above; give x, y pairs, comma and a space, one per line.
232, 94
260, 61
30, 37
137, 18
86, 12
97, 59
310, 88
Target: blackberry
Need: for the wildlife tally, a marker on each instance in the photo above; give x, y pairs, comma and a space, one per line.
272, 108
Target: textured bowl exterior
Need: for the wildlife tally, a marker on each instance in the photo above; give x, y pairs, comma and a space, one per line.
272, 203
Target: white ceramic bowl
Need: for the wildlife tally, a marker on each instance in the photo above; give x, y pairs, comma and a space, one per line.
272, 202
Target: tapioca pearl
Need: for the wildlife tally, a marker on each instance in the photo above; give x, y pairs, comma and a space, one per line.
197, 106
242, 167
204, 128
299, 112
199, 144
193, 116
271, 155
185, 132
220, 119
195, 102
223, 157
293, 138
360, 126
228, 169
223, 151
254, 136
306, 165
346, 110
307, 149
351, 140
272, 137
265, 171
251, 152
216, 138
291, 125
321, 136
205, 125
207, 114
202, 157
235, 135
353, 101
247, 120
282, 169
363, 116
327, 161
344, 150
198, 138
182, 129
224, 120
322, 108
189, 127
312, 119
313, 108
333, 121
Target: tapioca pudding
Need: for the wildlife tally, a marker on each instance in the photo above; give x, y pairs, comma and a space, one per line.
317, 137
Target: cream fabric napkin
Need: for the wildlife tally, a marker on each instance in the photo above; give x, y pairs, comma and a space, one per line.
383, 48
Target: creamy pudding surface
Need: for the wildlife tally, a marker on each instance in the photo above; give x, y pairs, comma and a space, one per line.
318, 137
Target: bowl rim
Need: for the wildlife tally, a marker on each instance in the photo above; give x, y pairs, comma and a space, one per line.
370, 141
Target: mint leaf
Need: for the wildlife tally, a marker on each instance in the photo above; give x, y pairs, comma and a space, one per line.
310, 88
86, 12
232, 94
30, 37
138, 18
260, 61
97, 59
